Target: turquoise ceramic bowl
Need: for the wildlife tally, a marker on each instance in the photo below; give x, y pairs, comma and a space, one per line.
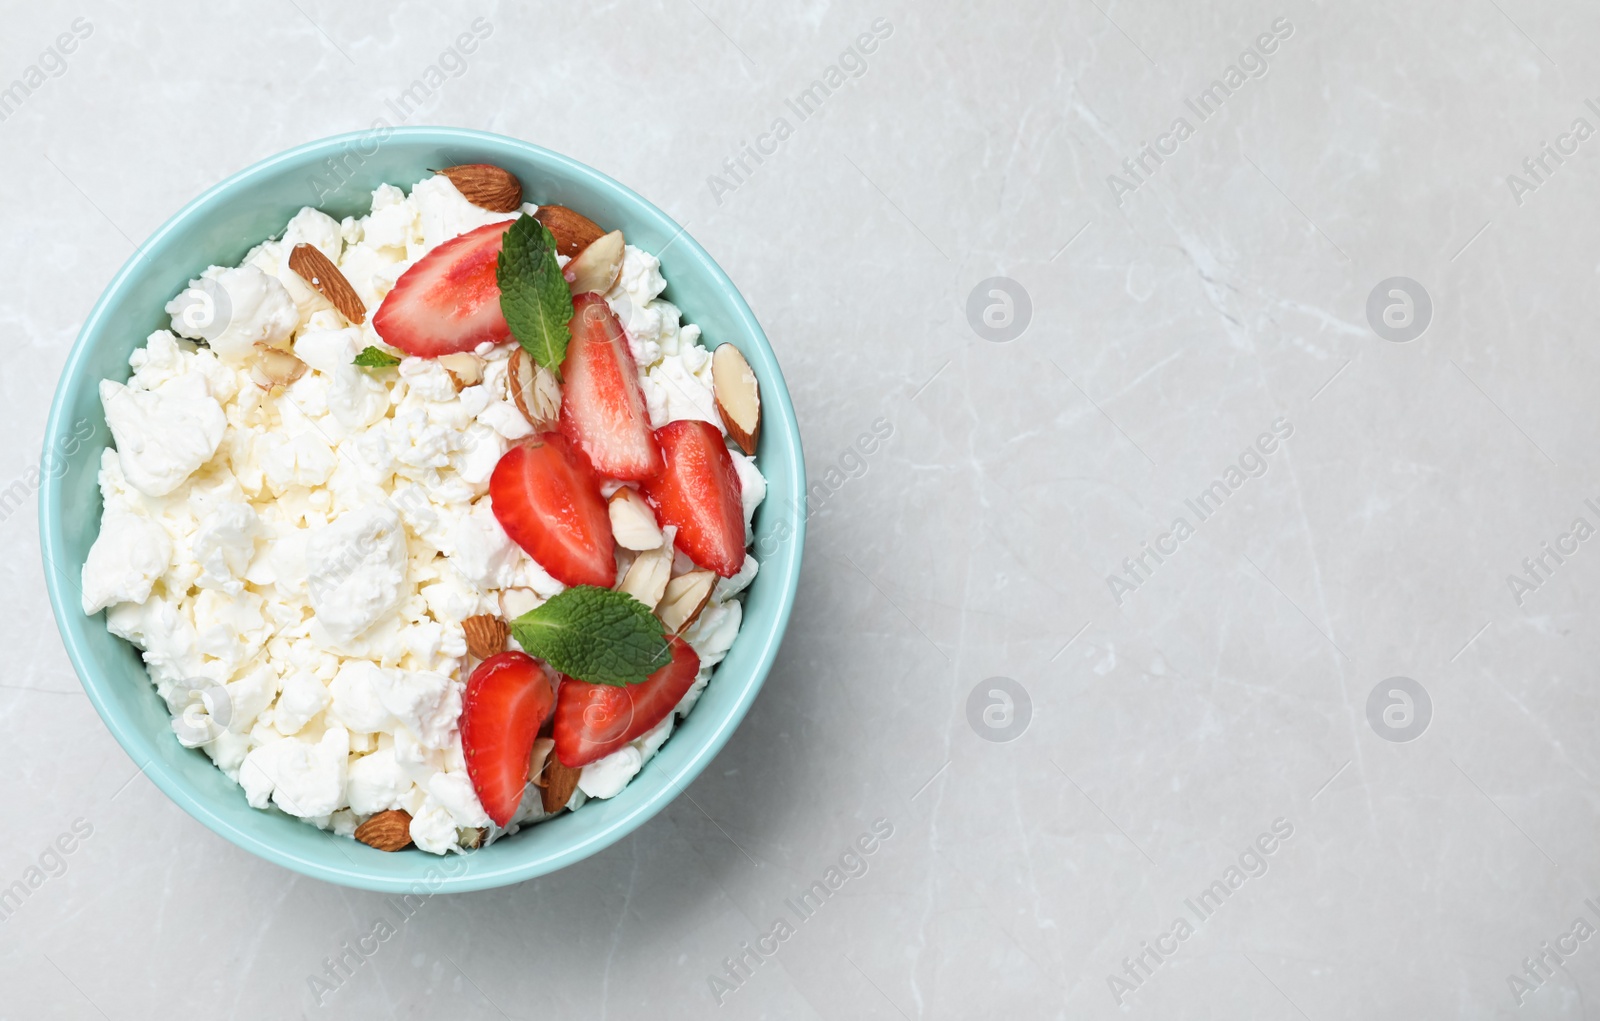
337, 175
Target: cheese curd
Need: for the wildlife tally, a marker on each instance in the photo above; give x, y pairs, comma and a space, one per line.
311, 549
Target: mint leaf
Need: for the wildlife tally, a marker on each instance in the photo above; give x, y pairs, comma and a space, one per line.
376, 358
595, 635
534, 297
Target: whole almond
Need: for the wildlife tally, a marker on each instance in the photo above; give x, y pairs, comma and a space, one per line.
486, 186
387, 831
486, 635
320, 272
559, 783
573, 231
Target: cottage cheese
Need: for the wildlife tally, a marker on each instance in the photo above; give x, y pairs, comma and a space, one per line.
311, 549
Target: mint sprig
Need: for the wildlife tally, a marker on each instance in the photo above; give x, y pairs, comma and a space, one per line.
595, 635
376, 358
534, 297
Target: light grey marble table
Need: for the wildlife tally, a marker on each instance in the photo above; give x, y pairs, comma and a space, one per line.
1126, 767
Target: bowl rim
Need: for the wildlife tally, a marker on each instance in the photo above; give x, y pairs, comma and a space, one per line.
783, 572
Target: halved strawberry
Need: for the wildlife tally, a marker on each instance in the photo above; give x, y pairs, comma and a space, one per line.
450, 300
602, 405
699, 492
507, 700
594, 720
546, 496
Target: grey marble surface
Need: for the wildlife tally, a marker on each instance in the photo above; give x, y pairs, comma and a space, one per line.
1160, 725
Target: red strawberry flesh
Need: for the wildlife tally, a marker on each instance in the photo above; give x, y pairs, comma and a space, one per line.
449, 301
594, 720
507, 700
602, 405
546, 496
699, 492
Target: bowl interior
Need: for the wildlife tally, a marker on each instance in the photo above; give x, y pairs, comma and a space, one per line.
337, 175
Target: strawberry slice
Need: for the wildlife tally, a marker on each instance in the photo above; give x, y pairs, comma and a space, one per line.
594, 720
602, 404
449, 300
699, 492
546, 495
508, 699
